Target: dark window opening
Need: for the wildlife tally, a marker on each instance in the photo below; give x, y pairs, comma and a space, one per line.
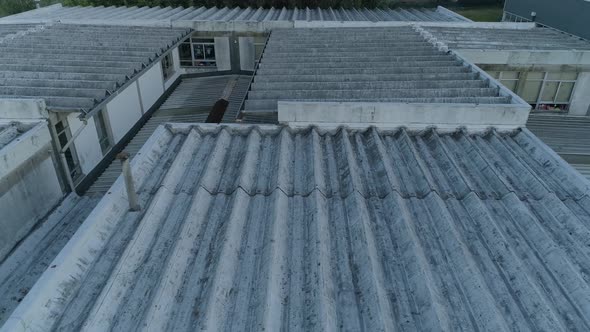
101, 129
167, 66
197, 52
63, 135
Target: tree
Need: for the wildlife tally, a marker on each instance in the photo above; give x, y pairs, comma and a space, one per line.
11, 7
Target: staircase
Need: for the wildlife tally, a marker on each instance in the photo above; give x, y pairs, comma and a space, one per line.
360, 64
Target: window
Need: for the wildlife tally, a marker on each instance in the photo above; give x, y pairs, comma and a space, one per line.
101, 129
549, 91
544, 91
167, 66
509, 79
63, 135
197, 52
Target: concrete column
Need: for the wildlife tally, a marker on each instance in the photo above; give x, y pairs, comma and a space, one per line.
247, 53
580, 101
222, 53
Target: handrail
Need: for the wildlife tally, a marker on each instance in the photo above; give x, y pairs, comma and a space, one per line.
243, 103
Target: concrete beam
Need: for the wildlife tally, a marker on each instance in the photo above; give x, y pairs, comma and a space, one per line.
527, 57
411, 115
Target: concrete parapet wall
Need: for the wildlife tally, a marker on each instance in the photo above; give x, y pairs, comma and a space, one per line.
29, 185
411, 115
527, 57
19, 109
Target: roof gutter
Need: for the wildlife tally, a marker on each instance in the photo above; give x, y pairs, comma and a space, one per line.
110, 95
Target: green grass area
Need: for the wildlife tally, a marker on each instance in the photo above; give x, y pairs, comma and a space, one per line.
481, 13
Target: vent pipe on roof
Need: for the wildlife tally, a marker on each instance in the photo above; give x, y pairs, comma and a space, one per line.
129, 184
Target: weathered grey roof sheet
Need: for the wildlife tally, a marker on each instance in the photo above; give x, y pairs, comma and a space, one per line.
11, 30
507, 39
114, 13
12, 130
567, 135
74, 67
33, 255
269, 228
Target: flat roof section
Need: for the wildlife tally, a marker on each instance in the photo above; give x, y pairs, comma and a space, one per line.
268, 227
507, 39
75, 67
225, 14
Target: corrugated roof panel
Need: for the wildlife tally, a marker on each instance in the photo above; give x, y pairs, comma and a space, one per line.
238, 14
507, 39
42, 64
269, 228
21, 269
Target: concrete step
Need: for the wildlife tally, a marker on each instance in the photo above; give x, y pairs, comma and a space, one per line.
330, 37
363, 64
376, 85
338, 52
372, 94
288, 46
287, 72
353, 58
367, 77
270, 105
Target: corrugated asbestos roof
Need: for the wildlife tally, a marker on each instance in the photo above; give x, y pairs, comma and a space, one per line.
74, 67
10, 30
269, 228
114, 13
10, 131
33, 255
507, 39
567, 135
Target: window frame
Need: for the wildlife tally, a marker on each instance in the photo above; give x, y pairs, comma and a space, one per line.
168, 69
102, 131
544, 82
198, 63
72, 161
